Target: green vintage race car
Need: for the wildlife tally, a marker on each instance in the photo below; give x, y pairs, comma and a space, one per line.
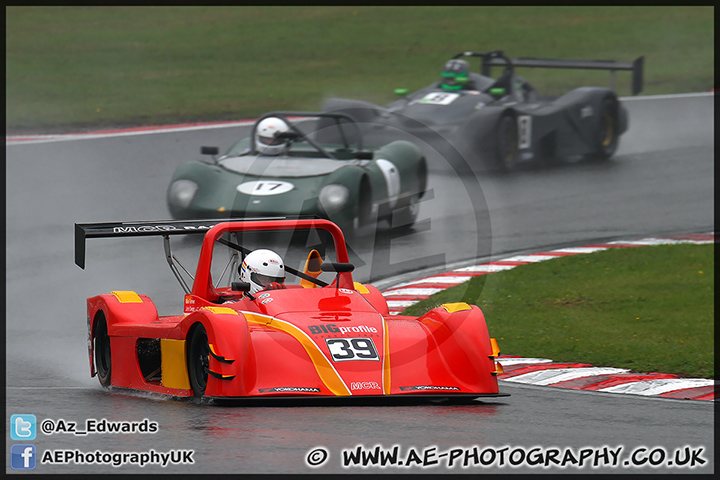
282, 169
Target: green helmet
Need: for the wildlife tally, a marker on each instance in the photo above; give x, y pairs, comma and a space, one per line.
455, 74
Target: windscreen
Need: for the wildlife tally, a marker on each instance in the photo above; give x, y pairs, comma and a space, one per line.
293, 246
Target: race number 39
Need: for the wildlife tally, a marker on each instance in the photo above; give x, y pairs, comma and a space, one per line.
343, 349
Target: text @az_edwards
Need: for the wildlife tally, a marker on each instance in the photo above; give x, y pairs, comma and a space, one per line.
102, 426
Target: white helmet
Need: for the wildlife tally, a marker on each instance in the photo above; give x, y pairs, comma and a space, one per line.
266, 136
261, 268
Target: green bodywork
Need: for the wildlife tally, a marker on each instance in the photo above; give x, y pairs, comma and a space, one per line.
300, 174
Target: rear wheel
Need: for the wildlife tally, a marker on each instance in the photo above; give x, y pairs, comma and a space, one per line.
198, 360
103, 364
506, 151
606, 140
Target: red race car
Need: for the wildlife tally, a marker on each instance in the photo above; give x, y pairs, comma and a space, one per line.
246, 333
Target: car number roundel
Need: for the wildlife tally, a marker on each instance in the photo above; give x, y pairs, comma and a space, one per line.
435, 98
265, 187
342, 349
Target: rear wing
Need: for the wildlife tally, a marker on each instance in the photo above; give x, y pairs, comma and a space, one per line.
166, 228
162, 228
636, 67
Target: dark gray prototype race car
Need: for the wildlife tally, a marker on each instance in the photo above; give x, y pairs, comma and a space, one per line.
503, 120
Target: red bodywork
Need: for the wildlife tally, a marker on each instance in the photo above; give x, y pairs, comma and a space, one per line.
334, 340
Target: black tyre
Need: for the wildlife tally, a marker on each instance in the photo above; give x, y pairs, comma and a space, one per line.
364, 203
101, 349
506, 150
405, 217
361, 223
607, 130
198, 360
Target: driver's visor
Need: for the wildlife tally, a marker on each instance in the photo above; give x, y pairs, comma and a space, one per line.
265, 280
453, 79
271, 140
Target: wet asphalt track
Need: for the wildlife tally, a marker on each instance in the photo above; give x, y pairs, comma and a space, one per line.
660, 182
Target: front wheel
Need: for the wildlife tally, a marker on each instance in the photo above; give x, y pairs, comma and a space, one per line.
198, 360
361, 224
405, 217
103, 359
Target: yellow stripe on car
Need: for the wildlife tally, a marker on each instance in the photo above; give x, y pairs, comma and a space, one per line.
324, 368
124, 296
217, 356
495, 353
173, 363
456, 307
221, 310
361, 288
495, 348
386, 360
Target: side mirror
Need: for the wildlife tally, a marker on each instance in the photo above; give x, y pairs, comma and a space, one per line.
401, 91
240, 287
497, 92
337, 267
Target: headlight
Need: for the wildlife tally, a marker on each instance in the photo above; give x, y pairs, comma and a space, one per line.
333, 197
181, 193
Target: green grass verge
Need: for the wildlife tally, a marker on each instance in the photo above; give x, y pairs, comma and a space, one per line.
70, 67
649, 309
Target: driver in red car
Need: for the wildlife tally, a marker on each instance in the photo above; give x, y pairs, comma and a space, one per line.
263, 269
